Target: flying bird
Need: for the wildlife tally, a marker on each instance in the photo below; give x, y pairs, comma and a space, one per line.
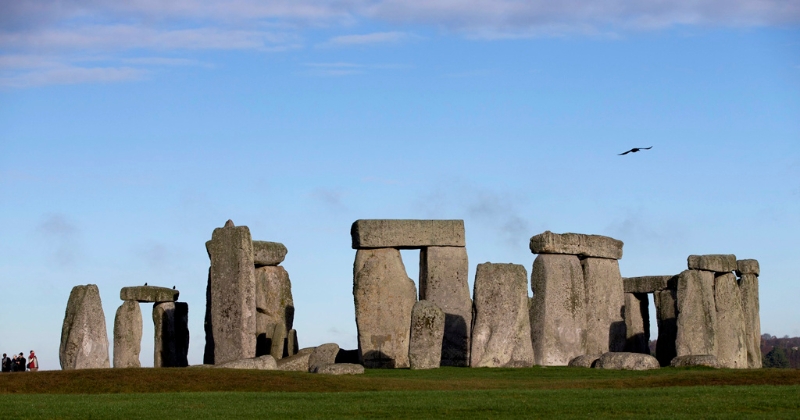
636, 149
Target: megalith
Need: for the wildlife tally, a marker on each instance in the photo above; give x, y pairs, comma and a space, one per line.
181, 329
427, 330
718, 263
406, 234
268, 253
84, 338
127, 335
164, 352
666, 303
605, 301
231, 295
730, 334
274, 306
697, 315
443, 281
383, 296
501, 329
637, 323
748, 285
576, 244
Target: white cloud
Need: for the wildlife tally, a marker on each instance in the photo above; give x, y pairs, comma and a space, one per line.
66, 75
369, 39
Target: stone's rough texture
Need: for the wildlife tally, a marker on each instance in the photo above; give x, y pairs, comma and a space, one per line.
605, 301
410, 234
258, 363
627, 361
268, 253
707, 360
666, 303
291, 343
558, 312
501, 329
341, 369
731, 346
748, 285
720, 263
384, 297
585, 360
232, 295
164, 354
278, 342
697, 314
649, 284
84, 340
427, 330
747, 267
274, 305
149, 294
181, 329
127, 335
576, 244
637, 323
295, 363
322, 356
443, 280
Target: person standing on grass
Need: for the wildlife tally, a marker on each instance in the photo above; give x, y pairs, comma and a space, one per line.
33, 362
6, 363
21, 363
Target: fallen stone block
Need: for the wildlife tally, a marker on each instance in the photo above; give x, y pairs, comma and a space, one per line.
127, 335
627, 361
406, 234
747, 267
84, 338
637, 323
341, 369
297, 362
649, 284
322, 356
605, 302
690, 360
585, 361
576, 244
268, 253
719, 263
666, 303
258, 363
748, 285
153, 294
427, 330
697, 314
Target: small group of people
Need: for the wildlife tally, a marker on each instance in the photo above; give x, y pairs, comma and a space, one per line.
18, 363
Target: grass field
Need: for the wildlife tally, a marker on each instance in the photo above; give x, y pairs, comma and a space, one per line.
445, 392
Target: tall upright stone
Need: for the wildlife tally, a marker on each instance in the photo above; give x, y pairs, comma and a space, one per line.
383, 296
697, 315
558, 309
666, 303
501, 331
181, 328
427, 331
164, 351
637, 322
231, 297
731, 345
605, 302
127, 335
443, 281
274, 306
748, 285
84, 339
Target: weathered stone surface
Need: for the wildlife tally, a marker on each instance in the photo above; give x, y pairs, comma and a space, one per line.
297, 362
291, 343
268, 253
747, 267
707, 360
406, 233
164, 353
443, 280
558, 312
649, 284
627, 361
697, 314
278, 342
576, 244
637, 323
322, 356
731, 346
341, 369
748, 285
666, 303
584, 360
384, 297
427, 330
232, 295
501, 329
149, 294
127, 335
720, 263
84, 339
605, 302
274, 306
258, 363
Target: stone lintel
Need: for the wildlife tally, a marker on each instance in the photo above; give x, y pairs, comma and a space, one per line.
406, 233
719, 263
747, 267
268, 253
649, 284
149, 294
576, 244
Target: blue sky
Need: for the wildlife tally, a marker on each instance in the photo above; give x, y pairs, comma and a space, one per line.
129, 132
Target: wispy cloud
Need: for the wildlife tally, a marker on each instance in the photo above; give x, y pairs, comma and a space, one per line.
333, 198
348, 69
60, 235
66, 75
369, 39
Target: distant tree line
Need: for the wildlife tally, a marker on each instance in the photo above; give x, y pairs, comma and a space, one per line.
775, 352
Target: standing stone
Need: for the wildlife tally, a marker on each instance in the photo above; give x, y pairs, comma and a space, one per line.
84, 339
127, 335
748, 285
409, 234
576, 244
637, 322
181, 328
719, 263
291, 343
268, 253
697, 314
605, 302
383, 296
731, 346
278, 341
501, 330
443, 280
274, 306
164, 354
232, 294
558, 312
666, 302
427, 330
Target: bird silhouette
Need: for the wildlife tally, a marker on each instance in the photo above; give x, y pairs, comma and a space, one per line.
145, 283
636, 149
173, 287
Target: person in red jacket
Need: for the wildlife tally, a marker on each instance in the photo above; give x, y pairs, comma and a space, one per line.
33, 362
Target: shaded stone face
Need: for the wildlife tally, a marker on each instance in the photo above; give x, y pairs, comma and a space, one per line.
501, 329
720, 263
747, 267
730, 334
637, 323
181, 329
748, 285
384, 297
291, 343
274, 306
84, 339
443, 280
605, 301
149, 294
649, 284
268, 253
427, 330
406, 234
576, 244
558, 309
627, 361
164, 353
697, 314
666, 303
322, 356
127, 335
